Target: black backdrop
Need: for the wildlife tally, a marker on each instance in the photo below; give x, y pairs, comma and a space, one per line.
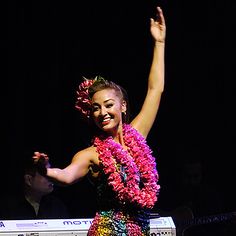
52, 44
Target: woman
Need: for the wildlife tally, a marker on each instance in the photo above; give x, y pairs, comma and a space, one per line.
119, 160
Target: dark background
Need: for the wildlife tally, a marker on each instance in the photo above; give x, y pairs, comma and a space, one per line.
50, 45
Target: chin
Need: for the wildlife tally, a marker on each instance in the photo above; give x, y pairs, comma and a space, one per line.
50, 189
109, 126
105, 128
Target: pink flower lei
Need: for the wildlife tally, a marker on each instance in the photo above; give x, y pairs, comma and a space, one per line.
138, 166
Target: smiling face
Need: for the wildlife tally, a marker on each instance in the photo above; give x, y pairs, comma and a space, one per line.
107, 108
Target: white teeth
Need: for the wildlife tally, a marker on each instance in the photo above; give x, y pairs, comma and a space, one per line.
106, 119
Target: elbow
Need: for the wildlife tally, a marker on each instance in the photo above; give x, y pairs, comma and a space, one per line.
66, 182
62, 177
157, 90
70, 180
157, 87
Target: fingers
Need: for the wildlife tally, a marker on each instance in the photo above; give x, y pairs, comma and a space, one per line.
38, 155
160, 16
160, 20
152, 20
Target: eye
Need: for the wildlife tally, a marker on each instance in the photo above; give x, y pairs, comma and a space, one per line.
109, 105
95, 108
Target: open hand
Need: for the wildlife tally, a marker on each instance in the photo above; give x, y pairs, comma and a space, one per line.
158, 27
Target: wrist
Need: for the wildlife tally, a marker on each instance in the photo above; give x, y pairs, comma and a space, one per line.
160, 43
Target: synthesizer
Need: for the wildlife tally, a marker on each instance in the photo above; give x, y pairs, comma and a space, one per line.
72, 227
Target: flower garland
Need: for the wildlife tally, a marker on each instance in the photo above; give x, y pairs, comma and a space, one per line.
83, 102
137, 163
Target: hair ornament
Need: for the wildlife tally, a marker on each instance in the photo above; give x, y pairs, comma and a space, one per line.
83, 102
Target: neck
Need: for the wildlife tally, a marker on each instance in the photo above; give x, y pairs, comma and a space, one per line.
119, 138
117, 132
34, 201
33, 197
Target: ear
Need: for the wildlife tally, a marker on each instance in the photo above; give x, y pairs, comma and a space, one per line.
123, 106
28, 179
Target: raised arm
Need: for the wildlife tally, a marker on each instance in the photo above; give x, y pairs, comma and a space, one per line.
78, 168
146, 117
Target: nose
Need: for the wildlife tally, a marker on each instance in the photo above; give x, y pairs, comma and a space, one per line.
103, 111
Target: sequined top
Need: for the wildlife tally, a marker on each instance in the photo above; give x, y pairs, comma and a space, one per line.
114, 218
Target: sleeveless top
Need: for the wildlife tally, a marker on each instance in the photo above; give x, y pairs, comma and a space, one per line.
115, 219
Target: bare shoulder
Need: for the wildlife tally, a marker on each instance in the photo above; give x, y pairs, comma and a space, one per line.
88, 154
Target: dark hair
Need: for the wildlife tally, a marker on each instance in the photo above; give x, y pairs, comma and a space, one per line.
30, 167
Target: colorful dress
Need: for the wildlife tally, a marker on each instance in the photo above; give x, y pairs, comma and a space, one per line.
114, 219
126, 187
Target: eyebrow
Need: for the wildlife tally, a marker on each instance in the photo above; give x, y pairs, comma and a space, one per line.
110, 99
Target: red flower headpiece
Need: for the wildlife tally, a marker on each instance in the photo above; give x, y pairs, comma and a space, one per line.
83, 102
